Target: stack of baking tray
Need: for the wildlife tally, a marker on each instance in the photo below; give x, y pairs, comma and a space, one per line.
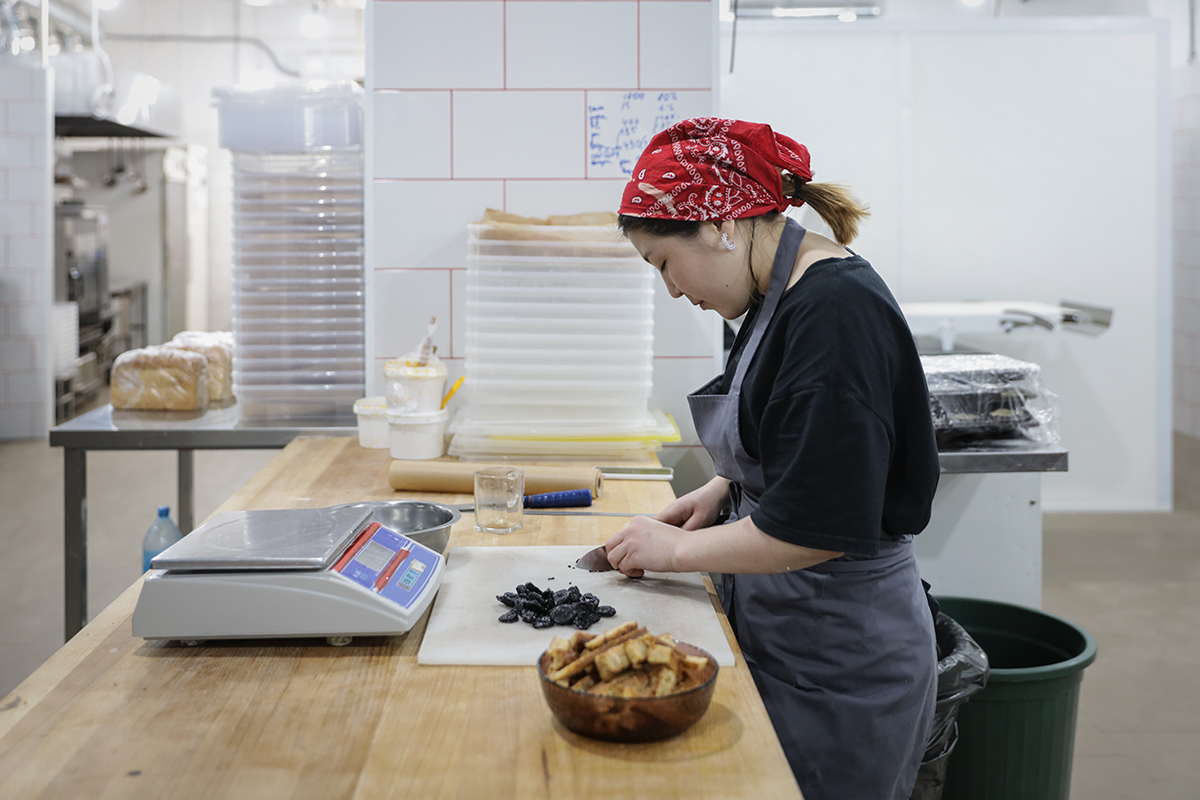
559, 346
298, 308
988, 396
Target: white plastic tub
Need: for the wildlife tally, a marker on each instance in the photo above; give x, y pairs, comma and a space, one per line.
373, 431
416, 437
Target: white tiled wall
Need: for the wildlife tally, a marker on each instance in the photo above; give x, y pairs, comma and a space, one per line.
505, 86
26, 290
1186, 151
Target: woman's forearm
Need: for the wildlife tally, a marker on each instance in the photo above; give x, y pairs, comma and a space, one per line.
740, 547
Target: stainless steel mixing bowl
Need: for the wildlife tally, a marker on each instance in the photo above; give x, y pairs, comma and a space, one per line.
425, 523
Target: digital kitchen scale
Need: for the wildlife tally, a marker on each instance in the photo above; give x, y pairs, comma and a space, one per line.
332, 572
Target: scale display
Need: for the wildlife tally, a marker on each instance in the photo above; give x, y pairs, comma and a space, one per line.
378, 555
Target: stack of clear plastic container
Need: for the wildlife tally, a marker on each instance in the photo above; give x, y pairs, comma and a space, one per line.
559, 347
298, 302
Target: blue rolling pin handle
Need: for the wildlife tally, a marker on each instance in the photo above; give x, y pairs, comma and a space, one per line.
571, 499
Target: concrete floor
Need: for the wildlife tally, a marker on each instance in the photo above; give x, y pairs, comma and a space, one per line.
1133, 580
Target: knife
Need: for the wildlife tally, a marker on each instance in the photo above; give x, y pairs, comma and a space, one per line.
465, 507
595, 561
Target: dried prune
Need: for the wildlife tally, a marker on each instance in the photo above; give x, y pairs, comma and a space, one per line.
543, 608
585, 621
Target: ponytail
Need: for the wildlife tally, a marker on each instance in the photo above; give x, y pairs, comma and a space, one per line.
833, 202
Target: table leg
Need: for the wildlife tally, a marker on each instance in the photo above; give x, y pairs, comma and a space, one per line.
186, 498
74, 540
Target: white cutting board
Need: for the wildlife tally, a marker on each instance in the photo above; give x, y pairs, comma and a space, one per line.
464, 627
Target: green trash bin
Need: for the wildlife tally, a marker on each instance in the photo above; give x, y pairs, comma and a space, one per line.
1017, 736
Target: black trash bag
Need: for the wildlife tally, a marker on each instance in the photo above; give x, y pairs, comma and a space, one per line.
962, 672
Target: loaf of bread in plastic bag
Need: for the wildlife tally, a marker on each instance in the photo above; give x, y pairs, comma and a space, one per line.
160, 378
220, 360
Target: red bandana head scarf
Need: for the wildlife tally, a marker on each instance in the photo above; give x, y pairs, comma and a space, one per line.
713, 169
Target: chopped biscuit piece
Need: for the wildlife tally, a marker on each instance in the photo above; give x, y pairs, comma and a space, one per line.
611, 634
612, 662
584, 683
662, 654
580, 638
636, 649
664, 682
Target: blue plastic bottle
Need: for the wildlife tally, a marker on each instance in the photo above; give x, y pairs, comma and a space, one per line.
162, 534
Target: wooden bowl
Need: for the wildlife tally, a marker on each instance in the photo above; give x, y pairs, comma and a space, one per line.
630, 719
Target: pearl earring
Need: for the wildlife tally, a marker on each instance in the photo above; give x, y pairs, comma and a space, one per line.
728, 244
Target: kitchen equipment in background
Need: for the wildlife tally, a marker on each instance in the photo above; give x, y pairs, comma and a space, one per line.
947, 321
559, 346
463, 627
353, 570
298, 307
81, 262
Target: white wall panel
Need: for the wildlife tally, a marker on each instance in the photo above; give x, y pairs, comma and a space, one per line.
438, 45
675, 45
400, 331
519, 134
412, 135
547, 32
423, 224
543, 198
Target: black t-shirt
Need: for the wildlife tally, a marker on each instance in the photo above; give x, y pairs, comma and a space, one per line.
835, 406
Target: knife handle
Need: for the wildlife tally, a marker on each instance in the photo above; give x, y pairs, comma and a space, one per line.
568, 499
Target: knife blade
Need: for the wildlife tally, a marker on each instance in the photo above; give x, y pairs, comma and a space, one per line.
595, 561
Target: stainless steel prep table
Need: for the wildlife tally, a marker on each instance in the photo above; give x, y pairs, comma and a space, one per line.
218, 428
984, 537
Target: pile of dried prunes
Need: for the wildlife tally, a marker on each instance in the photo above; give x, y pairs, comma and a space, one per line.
543, 608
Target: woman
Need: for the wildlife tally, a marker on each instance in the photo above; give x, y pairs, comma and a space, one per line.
824, 449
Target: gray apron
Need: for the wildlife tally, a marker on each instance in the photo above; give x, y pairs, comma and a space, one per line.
842, 653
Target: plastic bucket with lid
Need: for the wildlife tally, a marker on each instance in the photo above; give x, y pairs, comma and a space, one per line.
416, 437
1017, 736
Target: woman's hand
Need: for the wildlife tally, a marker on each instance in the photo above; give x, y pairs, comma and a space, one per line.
697, 509
645, 544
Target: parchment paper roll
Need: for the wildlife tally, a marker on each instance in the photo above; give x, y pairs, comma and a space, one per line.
459, 477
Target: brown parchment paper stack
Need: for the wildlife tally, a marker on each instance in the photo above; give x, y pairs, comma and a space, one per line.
459, 477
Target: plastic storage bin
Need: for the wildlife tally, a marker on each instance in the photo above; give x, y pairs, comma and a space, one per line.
1017, 736
298, 284
559, 341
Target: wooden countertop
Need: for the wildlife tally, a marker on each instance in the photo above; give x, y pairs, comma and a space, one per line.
112, 716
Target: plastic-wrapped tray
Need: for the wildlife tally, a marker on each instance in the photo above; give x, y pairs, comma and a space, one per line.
987, 396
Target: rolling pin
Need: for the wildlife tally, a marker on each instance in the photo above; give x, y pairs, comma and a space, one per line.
457, 477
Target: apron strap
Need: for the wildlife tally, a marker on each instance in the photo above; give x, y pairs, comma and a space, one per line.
781, 270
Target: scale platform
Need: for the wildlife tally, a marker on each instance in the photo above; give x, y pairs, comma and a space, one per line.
324, 572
